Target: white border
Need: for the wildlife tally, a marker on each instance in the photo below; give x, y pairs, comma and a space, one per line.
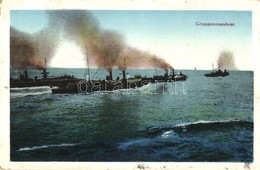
7, 5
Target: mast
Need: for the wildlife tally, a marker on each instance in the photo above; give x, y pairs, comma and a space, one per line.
88, 69
44, 72
124, 63
124, 76
45, 65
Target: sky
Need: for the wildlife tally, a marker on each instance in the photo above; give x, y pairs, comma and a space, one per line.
172, 35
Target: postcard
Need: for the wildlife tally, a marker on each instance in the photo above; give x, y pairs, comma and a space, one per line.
117, 85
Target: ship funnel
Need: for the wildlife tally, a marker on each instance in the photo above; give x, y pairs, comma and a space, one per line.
173, 72
124, 76
166, 73
110, 75
25, 75
44, 72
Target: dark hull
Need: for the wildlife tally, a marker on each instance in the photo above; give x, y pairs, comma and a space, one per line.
111, 85
180, 78
216, 75
41, 82
102, 85
166, 79
64, 90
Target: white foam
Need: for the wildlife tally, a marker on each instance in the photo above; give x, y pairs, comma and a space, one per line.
30, 88
167, 134
45, 146
127, 90
145, 86
16, 95
205, 122
145, 142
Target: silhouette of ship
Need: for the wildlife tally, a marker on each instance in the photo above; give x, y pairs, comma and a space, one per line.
25, 81
218, 73
109, 84
167, 78
71, 84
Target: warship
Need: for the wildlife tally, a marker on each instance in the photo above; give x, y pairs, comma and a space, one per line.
25, 81
218, 73
110, 84
71, 84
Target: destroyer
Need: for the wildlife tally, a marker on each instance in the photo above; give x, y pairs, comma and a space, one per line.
25, 81
218, 73
109, 84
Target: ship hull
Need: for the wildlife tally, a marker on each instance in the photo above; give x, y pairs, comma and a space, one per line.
216, 75
41, 82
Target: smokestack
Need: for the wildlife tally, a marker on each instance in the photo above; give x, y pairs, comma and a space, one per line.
44, 73
124, 76
25, 75
111, 75
45, 61
166, 72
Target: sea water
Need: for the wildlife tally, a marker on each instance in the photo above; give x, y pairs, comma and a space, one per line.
200, 119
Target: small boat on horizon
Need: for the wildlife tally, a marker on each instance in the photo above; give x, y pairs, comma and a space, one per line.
218, 73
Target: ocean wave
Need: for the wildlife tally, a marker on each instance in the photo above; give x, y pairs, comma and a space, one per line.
128, 90
168, 134
46, 146
205, 122
145, 86
148, 141
29, 88
170, 130
16, 95
206, 125
143, 142
158, 136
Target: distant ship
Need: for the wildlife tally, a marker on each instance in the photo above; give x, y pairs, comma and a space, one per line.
218, 73
166, 77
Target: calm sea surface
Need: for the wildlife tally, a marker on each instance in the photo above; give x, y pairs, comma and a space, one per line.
201, 119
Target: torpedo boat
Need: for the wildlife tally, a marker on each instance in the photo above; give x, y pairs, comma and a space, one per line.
110, 84
218, 73
25, 81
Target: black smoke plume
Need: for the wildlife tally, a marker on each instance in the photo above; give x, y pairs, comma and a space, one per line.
103, 48
29, 50
23, 52
226, 60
